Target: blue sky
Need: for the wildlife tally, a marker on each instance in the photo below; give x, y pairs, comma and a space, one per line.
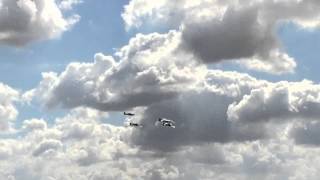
303, 45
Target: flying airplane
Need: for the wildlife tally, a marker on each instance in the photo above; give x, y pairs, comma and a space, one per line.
167, 122
132, 124
135, 124
128, 114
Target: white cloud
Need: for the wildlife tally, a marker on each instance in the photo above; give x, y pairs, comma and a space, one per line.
68, 4
26, 21
279, 101
34, 124
8, 111
278, 63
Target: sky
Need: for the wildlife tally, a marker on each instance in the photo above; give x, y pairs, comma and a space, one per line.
239, 78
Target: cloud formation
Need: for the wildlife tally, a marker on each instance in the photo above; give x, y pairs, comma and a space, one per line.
26, 21
209, 106
216, 30
229, 125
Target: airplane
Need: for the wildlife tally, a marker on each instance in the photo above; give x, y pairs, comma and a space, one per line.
128, 114
135, 124
167, 122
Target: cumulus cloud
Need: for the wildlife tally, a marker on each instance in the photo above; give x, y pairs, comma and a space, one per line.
26, 21
295, 104
280, 101
8, 111
145, 73
216, 30
278, 63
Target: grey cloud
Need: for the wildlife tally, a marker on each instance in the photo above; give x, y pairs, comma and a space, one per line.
306, 134
238, 35
201, 117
